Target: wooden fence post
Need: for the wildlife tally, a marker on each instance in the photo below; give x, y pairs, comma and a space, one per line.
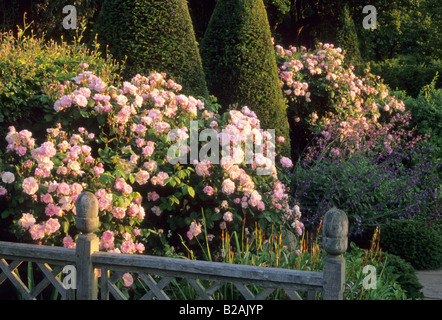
335, 241
87, 243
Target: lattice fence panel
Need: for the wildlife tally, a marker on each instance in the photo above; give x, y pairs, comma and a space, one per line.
153, 287
48, 275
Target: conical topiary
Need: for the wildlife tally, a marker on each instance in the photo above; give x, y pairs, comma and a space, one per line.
154, 35
239, 62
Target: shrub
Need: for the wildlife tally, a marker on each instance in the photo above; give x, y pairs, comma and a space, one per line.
406, 276
153, 36
239, 63
125, 154
324, 94
347, 37
413, 241
426, 114
369, 188
30, 68
405, 73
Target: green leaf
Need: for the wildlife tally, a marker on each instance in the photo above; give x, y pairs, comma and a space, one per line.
65, 226
173, 199
191, 191
84, 113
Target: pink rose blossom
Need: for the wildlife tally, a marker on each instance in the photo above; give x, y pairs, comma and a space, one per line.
208, 190
194, 230
68, 242
8, 177
139, 247
52, 210
128, 247
30, 185
228, 216
286, 162
228, 187
118, 212
80, 100
27, 220
128, 280
156, 210
153, 196
63, 188
37, 231
51, 226
107, 240
3, 191
21, 151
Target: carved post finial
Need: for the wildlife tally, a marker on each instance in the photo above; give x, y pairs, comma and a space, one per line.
87, 212
334, 241
87, 243
335, 231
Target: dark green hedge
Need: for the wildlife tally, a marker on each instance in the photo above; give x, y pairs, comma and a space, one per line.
239, 62
154, 35
414, 241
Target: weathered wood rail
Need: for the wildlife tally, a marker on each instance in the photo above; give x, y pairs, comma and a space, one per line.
157, 272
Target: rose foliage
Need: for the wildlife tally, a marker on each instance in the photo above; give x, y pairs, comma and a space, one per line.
122, 154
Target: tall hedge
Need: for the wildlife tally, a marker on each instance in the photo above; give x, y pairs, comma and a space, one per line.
154, 35
346, 35
239, 62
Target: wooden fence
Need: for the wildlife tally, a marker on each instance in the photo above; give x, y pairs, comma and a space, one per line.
158, 272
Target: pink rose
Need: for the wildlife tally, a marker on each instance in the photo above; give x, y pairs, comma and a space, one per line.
63, 188
51, 226
27, 220
119, 184
107, 240
208, 190
156, 210
37, 231
228, 216
52, 210
194, 230
228, 187
30, 185
128, 280
21, 151
80, 100
286, 162
128, 247
139, 247
8, 177
118, 212
153, 196
3, 191
68, 242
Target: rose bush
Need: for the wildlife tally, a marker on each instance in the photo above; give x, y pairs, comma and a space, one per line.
123, 153
359, 150
328, 99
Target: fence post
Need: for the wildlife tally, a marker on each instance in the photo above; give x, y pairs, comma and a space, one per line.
335, 241
87, 243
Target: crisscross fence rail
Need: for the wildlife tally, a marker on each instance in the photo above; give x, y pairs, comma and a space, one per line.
157, 273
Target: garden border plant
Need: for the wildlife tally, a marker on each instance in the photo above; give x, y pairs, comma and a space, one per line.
120, 155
